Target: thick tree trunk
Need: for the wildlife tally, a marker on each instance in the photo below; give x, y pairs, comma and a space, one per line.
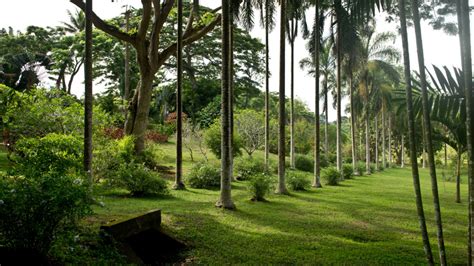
377, 143
178, 184
353, 124
225, 200
317, 140
88, 99
411, 129
458, 177
428, 133
281, 188
267, 86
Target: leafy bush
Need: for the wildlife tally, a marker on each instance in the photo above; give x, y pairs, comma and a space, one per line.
260, 185
297, 181
247, 167
212, 138
139, 180
372, 168
331, 176
156, 137
203, 175
361, 168
304, 163
347, 171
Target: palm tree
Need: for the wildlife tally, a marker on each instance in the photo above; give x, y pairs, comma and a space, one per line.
411, 128
88, 93
317, 42
428, 132
77, 22
281, 188
179, 105
225, 200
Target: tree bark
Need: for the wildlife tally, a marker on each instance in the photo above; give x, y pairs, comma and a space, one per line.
225, 200
267, 86
411, 129
353, 124
402, 153
384, 158
281, 188
178, 184
231, 93
339, 94
458, 176
377, 143
326, 118
428, 133
88, 99
389, 141
292, 96
317, 140
367, 130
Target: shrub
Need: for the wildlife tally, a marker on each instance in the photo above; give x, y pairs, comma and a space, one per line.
156, 137
212, 138
323, 161
330, 175
247, 167
304, 163
372, 168
139, 180
297, 181
203, 175
260, 185
361, 168
347, 171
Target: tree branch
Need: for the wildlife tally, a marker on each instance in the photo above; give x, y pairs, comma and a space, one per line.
104, 26
159, 21
146, 18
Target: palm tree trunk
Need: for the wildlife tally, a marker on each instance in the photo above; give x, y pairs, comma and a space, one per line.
225, 200
377, 143
317, 141
326, 121
428, 133
402, 162
292, 100
178, 184
458, 176
339, 96
281, 188
384, 161
267, 86
389, 141
353, 122
465, 39
88, 94
367, 131
231, 94
411, 129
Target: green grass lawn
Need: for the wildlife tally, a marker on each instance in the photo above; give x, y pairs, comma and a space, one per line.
367, 220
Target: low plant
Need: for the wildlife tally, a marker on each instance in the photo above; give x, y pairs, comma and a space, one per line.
203, 175
361, 168
260, 186
331, 176
304, 163
297, 181
247, 167
347, 171
139, 180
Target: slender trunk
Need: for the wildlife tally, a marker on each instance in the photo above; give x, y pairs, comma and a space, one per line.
339, 96
367, 131
402, 161
353, 122
267, 87
88, 94
465, 39
377, 143
411, 129
384, 161
389, 141
326, 122
231, 94
428, 133
292, 100
73, 75
126, 90
62, 72
317, 140
225, 200
458, 177
281, 188
178, 184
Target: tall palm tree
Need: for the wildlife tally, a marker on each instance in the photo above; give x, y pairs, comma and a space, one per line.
428, 141
281, 188
88, 98
411, 128
178, 184
225, 200
317, 141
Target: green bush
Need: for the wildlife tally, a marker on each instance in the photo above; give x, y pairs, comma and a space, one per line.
347, 171
361, 168
297, 181
304, 163
247, 167
212, 138
139, 180
260, 185
203, 175
331, 176
372, 168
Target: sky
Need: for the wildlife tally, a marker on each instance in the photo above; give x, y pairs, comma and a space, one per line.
439, 48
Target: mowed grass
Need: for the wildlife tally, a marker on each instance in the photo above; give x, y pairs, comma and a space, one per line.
367, 220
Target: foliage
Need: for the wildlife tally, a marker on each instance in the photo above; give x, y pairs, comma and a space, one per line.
247, 167
250, 126
304, 163
360, 168
331, 176
260, 185
203, 175
347, 171
297, 181
139, 180
212, 138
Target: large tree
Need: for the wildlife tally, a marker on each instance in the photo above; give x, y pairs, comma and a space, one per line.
152, 53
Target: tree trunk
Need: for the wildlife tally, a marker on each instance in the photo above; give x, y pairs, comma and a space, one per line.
428, 133
458, 176
126, 89
339, 94
292, 100
88, 104
267, 86
353, 124
402, 153
367, 131
231, 93
377, 143
178, 184
326, 122
225, 200
317, 140
465, 39
389, 141
281, 188
411, 129
384, 160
